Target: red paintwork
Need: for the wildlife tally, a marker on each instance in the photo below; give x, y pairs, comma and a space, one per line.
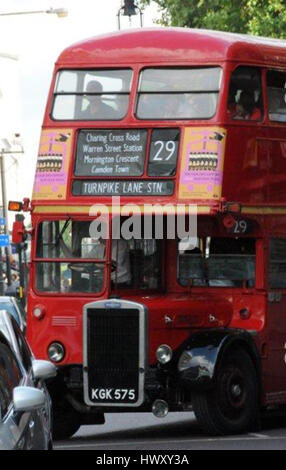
178, 307
172, 45
251, 176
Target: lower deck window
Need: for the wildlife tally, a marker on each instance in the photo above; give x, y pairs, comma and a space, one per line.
217, 262
277, 263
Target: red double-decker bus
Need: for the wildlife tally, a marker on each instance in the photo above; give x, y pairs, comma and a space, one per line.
155, 126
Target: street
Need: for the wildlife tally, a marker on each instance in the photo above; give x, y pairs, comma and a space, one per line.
177, 431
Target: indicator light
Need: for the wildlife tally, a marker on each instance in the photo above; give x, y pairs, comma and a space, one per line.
15, 206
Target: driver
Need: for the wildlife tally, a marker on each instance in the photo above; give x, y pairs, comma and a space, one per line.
121, 272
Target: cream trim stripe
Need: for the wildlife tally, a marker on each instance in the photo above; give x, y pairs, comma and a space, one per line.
123, 210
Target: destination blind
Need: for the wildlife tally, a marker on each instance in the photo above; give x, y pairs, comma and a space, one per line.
123, 188
111, 152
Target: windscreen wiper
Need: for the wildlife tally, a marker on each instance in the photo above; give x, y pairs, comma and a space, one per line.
60, 235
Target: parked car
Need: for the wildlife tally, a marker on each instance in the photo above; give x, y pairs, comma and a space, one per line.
14, 306
25, 405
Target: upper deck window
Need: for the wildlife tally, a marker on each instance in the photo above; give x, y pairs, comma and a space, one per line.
178, 93
91, 95
276, 91
245, 94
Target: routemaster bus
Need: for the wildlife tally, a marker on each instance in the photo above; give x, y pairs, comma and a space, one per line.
184, 128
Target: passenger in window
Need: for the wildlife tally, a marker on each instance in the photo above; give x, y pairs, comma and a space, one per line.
169, 107
194, 106
96, 109
246, 107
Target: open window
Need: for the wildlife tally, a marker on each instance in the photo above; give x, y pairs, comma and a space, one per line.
245, 94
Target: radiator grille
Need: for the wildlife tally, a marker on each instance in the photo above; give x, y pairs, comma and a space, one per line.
113, 352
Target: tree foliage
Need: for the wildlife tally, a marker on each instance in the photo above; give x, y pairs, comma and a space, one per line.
258, 17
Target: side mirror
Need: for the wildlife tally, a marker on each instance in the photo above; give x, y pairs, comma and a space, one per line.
43, 370
28, 398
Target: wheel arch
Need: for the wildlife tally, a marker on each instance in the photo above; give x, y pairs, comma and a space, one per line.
206, 351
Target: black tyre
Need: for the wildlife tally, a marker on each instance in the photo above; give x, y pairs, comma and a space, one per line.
231, 406
66, 421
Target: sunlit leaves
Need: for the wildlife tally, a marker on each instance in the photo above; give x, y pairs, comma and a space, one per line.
258, 17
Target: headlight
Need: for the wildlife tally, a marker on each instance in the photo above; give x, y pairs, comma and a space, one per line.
164, 354
56, 352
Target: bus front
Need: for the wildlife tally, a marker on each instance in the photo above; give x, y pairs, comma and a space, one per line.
136, 273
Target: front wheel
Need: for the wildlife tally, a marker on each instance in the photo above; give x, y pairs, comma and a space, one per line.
231, 406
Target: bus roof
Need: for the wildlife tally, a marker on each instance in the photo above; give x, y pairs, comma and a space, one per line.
165, 45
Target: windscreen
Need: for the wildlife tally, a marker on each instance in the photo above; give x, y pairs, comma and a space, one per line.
68, 258
71, 257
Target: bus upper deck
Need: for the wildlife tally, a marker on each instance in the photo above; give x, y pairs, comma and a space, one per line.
162, 120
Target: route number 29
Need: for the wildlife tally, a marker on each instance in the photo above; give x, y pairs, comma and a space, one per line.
240, 226
165, 150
